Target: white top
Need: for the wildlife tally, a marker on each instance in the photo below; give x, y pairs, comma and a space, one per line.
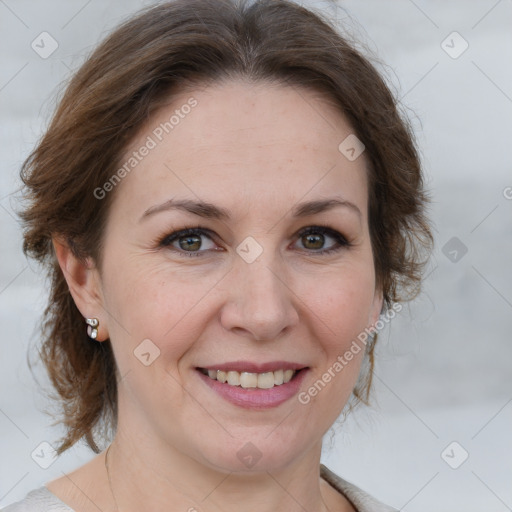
43, 500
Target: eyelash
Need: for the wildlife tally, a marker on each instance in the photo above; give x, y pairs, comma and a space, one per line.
167, 240
342, 242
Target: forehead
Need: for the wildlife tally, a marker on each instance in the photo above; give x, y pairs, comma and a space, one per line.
237, 141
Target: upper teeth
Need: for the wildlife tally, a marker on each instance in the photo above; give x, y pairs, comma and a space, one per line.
265, 380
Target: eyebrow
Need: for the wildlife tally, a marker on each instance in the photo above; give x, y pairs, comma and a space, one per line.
210, 211
314, 207
199, 208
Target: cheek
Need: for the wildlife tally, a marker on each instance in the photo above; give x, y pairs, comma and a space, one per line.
156, 303
342, 302
157, 312
339, 311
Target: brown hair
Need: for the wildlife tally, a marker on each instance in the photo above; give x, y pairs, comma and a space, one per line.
142, 63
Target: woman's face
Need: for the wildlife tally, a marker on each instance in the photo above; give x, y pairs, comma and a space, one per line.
238, 241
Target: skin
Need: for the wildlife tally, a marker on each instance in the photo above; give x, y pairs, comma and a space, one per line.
256, 151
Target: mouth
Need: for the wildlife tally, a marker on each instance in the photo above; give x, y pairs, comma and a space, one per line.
247, 380
254, 386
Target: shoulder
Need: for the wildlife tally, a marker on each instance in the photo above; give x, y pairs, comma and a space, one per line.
38, 500
361, 500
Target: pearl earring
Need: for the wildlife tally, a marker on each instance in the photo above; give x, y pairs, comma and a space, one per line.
92, 327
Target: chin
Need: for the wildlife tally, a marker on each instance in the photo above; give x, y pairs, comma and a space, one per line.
254, 454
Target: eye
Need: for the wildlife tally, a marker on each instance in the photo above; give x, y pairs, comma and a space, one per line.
192, 240
321, 239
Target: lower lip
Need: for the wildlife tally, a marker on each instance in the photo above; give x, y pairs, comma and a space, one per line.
256, 398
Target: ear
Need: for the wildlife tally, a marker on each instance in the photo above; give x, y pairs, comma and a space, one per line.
84, 284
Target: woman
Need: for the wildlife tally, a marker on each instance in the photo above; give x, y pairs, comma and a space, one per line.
226, 200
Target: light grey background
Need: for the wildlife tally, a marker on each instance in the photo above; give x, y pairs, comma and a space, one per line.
444, 365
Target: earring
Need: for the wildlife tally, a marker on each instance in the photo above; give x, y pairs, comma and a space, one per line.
92, 327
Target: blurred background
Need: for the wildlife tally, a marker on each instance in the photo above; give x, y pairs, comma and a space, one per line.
438, 435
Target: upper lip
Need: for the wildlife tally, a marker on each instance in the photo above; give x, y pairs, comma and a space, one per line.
251, 367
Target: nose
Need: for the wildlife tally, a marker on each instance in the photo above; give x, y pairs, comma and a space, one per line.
259, 303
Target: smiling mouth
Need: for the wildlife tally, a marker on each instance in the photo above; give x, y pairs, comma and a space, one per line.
247, 380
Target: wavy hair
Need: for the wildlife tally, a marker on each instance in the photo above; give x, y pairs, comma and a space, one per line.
138, 66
